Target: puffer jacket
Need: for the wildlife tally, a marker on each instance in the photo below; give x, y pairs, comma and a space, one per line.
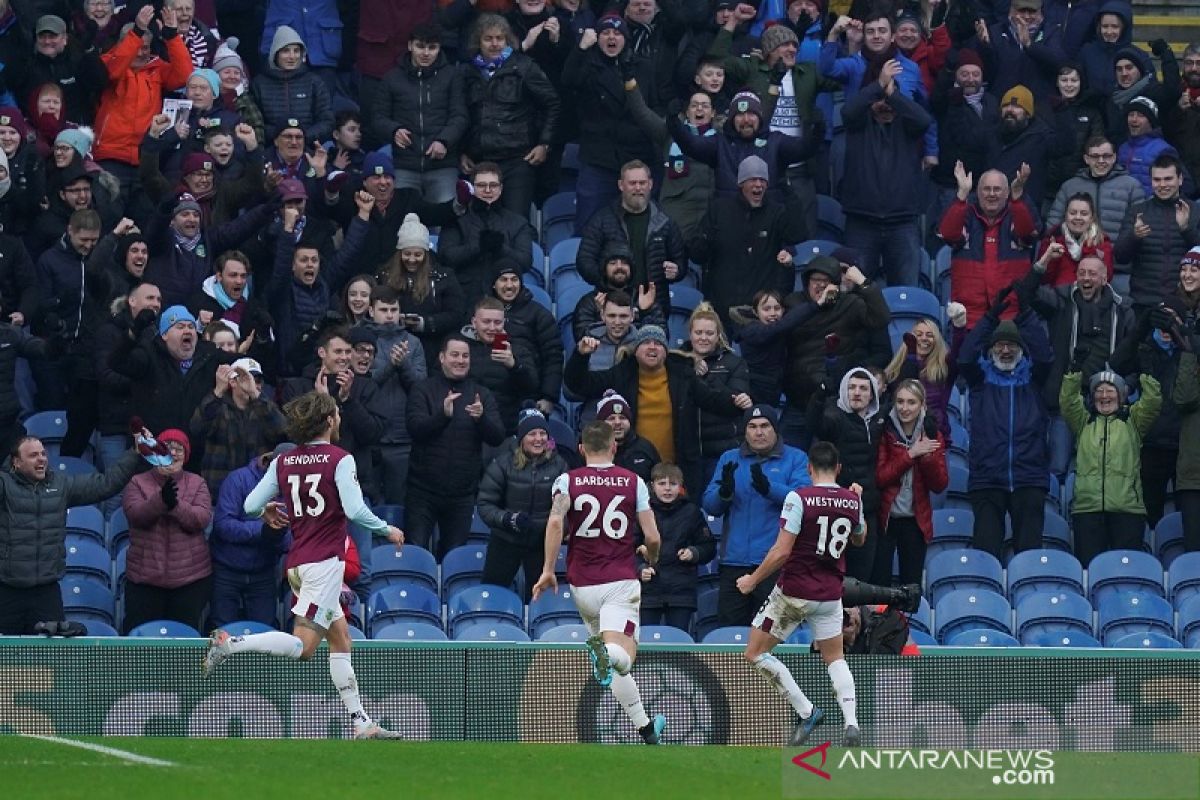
167, 548
1139, 152
682, 526
988, 255
1096, 55
297, 94
134, 96
893, 463
752, 520
430, 104
510, 387
855, 435
506, 489
532, 325
1155, 259
727, 372
1108, 457
33, 518
458, 247
1187, 401
1008, 415
512, 112
1112, 196
239, 542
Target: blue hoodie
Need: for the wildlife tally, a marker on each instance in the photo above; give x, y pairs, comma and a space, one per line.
1096, 55
237, 541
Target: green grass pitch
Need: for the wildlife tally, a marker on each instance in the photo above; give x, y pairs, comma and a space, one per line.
213, 769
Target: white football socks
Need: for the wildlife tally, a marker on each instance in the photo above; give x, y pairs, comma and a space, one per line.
778, 676
621, 663
625, 690
342, 674
843, 687
273, 643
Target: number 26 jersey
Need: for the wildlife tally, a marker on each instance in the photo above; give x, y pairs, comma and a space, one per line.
601, 522
821, 517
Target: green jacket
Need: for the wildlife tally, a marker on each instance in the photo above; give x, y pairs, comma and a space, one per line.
1108, 460
753, 73
1187, 401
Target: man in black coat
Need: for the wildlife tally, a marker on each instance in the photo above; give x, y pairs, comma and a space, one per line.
115, 391
450, 417
745, 242
532, 326
617, 271
500, 362
634, 453
81, 75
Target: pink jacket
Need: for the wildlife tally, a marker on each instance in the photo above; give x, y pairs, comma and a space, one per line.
167, 549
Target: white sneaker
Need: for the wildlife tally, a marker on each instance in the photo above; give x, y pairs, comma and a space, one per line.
376, 731
218, 651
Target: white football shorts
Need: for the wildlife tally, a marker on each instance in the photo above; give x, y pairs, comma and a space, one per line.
318, 589
781, 615
610, 607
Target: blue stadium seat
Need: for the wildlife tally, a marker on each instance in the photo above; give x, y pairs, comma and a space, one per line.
807, 251
118, 531
87, 520
551, 610
95, 627
565, 633
922, 620
356, 634
1043, 571
708, 575
70, 465
1122, 613
413, 564
831, 220
536, 274
410, 632
959, 405
246, 627
567, 293
164, 629
480, 531
706, 612
403, 602
962, 569
560, 564
90, 561
1059, 613
960, 442
955, 496
483, 631
562, 259
462, 567
664, 634
909, 305
982, 637
921, 638
1118, 571
558, 218
539, 296
49, 426
801, 636
941, 271
1068, 494
119, 564
484, 603
1151, 640
1053, 639
1056, 533
730, 634
87, 600
964, 609
1187, 627
390, 513
952, 531
685, 298
1183, 578
1168, 538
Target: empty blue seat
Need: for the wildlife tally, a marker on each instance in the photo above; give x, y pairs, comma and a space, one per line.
1168, 538
551, 610
921, 638
49, 426
86, 520
539, 295
1123, 613
1188, 625
484, 603
562, 258
922, 620
1055, 613
807, 251
706, 611
569, 291
730, 634
685, 299
831, 220
403, 602
962, 569
410, 632
664, 634
1183, 578
565, 633
484, 631
413, 564
964, 609
118, 531
1056, 533
165, 629
69, 465
1151, 640
1048, 571
87, 600
982, 637
462, 567
247, 627
558, 218
392, 514
1059, 639
952, 531
1123, 570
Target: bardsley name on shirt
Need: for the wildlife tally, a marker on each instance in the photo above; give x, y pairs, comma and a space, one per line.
611, 481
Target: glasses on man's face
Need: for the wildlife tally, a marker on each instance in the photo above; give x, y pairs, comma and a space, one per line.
364, 350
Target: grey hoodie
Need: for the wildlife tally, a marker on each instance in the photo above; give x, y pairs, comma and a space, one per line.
284, 35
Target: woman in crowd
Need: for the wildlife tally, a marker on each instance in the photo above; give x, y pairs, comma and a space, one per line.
355, 301
761, 331
1079, 236
721, 368
923, 356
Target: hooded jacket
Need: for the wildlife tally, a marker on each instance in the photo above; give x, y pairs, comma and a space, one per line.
167, 547
856, 435
238, 542
1096, 56
297, 94
315, 25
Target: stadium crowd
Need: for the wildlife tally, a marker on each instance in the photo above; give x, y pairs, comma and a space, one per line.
960, 240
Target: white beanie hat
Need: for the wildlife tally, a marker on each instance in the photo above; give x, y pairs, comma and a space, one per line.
412, 234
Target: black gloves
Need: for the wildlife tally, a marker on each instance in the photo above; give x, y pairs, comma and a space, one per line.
758, 479
726, 482
170, 494
626, 66
491, 241
518, 522
778, 72
1079, 357
1001, 302
1161, 319
145, 318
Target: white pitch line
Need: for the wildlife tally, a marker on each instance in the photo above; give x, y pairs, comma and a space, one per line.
108, 751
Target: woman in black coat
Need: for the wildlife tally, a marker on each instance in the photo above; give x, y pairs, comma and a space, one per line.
720, 368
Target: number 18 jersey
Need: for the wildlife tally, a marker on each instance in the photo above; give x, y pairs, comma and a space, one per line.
822, 517
601, 522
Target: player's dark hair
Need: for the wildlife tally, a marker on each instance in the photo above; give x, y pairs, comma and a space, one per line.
596, 437
666, 469
385, 294
308, 415
824, 457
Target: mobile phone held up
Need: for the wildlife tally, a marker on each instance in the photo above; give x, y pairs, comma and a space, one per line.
499, 342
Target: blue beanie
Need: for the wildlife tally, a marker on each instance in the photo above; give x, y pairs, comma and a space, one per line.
173, 315
530, 419
211, 76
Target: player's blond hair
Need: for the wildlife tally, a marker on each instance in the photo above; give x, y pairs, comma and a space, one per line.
596, 437
308, 416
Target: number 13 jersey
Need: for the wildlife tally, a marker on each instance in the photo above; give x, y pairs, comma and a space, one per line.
821, 517
601, 522
307, 478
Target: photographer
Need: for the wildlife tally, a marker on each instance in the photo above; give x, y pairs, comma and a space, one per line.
874, 618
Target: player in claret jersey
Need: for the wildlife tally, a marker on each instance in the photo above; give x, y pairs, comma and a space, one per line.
598, 506
817, 523
320, 490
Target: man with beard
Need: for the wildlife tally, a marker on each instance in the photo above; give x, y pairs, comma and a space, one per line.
169, 373
745, 242
1008, 464
999, 216
653, 238
591, 310
1022, 50
1182, 126
1026, 139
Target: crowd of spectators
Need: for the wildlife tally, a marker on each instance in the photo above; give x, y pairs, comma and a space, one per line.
209, 209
